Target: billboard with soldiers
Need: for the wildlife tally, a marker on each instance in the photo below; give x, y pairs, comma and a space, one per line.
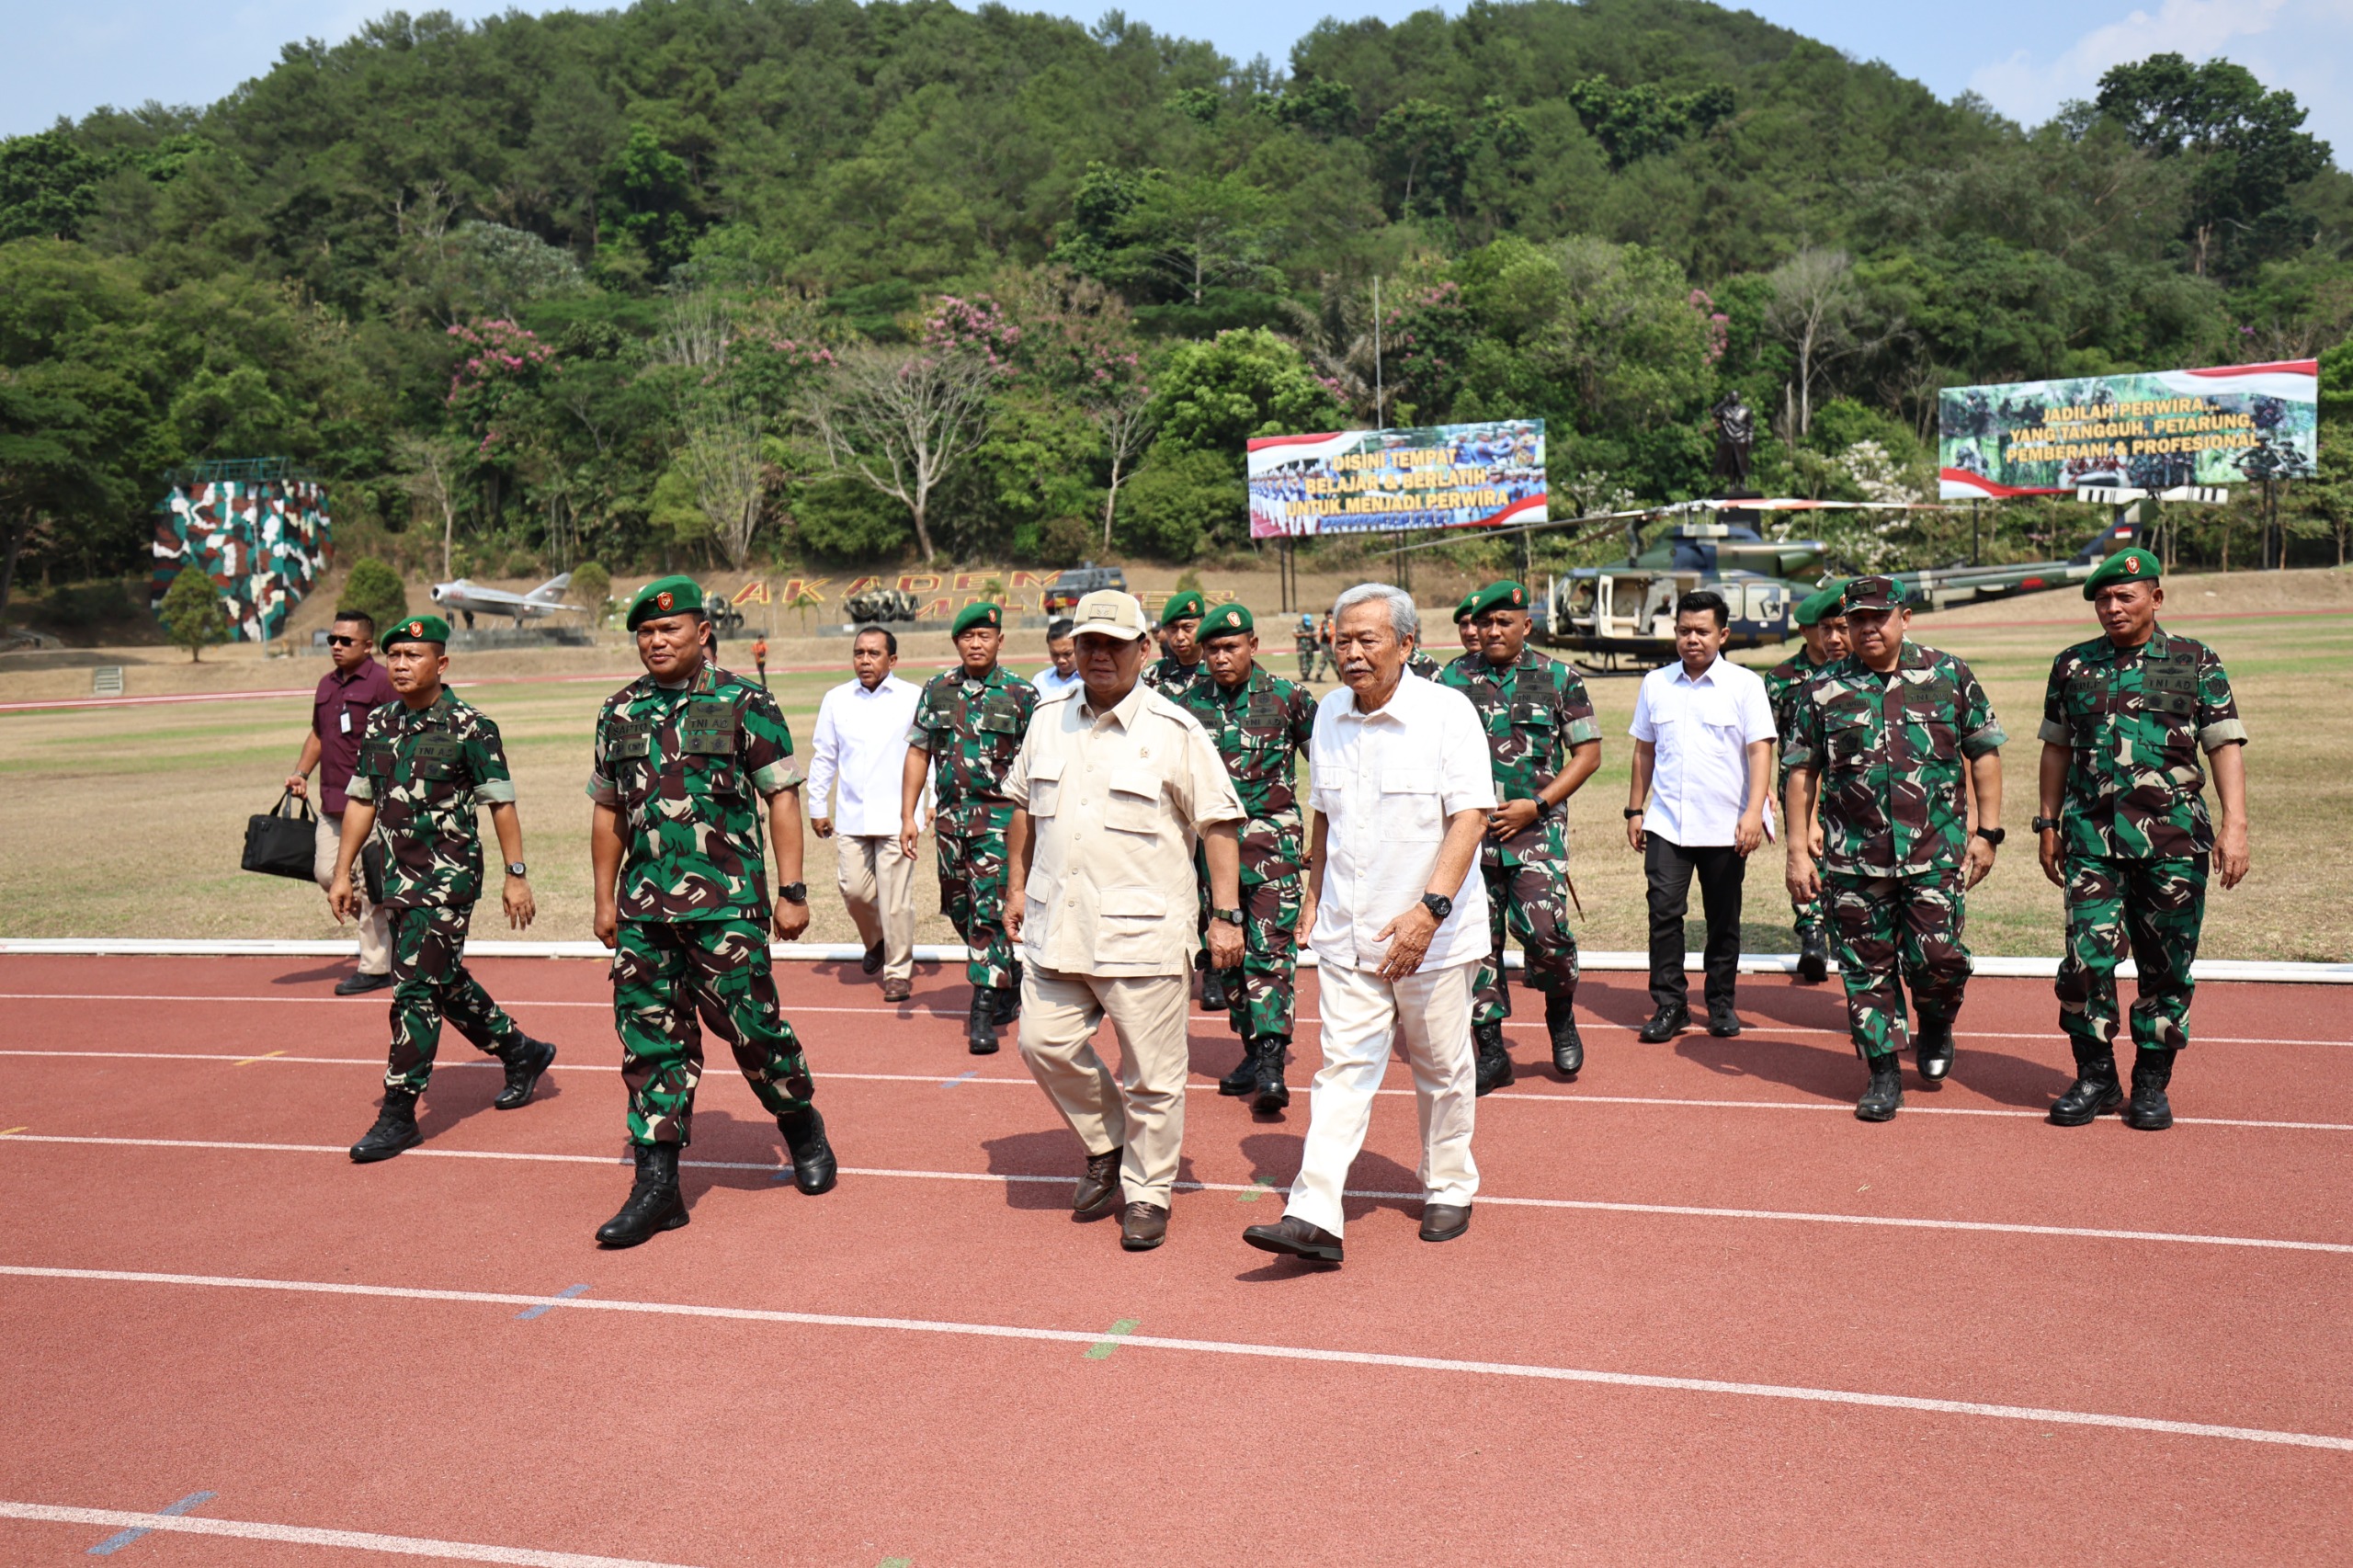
2148, 431
1440, 476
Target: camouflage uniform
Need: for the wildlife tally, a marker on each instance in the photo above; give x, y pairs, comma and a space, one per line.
972, 730
1423, 665
1891, 753
1783, 685
1534, 711
426, 773
688, 771
2134, 836
1260, 729
1307, 644
1176, 681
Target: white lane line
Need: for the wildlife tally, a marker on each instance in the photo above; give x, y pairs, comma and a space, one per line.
301, 1535
1770, 1031
1793, 1216
1218, 1347
1204, 1085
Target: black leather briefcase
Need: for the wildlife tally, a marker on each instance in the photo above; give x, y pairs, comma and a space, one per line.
280, 845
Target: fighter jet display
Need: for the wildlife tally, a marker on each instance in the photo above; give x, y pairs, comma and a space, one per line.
470, 599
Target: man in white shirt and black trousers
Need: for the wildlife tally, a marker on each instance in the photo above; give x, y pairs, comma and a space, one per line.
859, 751
1402, 788
1703, 739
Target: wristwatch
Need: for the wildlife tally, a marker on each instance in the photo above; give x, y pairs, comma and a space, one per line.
2046, 824
1438, 905
793, 892
1231, 916
514, 867
1633, 811
1993, 836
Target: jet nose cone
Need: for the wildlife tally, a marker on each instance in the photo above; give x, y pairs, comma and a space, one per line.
436, 595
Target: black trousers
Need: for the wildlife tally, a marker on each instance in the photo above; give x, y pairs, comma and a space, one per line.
1668, 868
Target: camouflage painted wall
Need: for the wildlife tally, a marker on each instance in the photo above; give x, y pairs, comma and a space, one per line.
264, 542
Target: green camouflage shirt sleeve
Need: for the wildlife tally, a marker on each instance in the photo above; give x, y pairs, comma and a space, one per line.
1802, 736
1980, 731
2218, 711
1579, 723
927, 720
485, 756
366, 769
601, 788
768, 743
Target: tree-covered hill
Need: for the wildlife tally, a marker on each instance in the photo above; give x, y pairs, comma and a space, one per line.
664, 279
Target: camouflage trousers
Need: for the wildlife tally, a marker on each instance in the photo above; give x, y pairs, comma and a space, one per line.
666, 975
1810, 923
2154, 908
1306, 664
1530, 904
972, 894
1882, 925
430, 983
1262, 995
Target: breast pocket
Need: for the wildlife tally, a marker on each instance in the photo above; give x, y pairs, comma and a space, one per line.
1046, 785
1847, 738
1410, 809
715, 777
1935, 730
1134, 805
436, 757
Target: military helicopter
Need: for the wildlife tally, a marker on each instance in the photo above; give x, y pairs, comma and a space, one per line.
1623, 617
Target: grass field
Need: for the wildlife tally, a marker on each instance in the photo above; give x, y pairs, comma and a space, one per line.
128, 821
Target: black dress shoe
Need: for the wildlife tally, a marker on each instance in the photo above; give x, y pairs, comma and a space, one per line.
395, 1129
1098, 1187
1722, 1022
1813, 961
1568, 1046
815, 1169
872, 962
1885, 1096
1934, 1049
1294, 1237
361, 984
2094, 1093
654, 1203
526, 1060
2150, 1111
1665, 1025
1142, 1226
1444, 1222
1491, 1063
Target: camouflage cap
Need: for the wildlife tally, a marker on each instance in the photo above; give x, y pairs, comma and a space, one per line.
1505, 595
416, 629
1227, 620
1822, 604
1187, 606
666, 596
1872, 593
984, 614
2133, 566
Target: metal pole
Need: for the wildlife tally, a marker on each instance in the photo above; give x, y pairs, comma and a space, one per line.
1976, 544
1380, 387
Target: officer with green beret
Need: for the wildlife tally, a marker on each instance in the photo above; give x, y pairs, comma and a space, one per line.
691, 764
1821, 620
426, 764
1466, 624
2124, 831
968, 728
1180, 668
1543, 741
1260, 724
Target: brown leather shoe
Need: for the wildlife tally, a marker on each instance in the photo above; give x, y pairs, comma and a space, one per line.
1444, 1222
1294, 1237
1097, 1188
1142, 1226
897, 990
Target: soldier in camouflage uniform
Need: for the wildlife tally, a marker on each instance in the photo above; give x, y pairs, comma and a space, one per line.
1260, 724
1466, 623
1307, 645
1895, 743
1821, 622
688, 760
1543, 741
2124, 831
425, 764
968, 729
1176, 675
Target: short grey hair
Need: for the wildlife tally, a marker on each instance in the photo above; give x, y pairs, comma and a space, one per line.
1402, 617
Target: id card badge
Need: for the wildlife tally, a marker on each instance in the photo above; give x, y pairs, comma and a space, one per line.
346, 721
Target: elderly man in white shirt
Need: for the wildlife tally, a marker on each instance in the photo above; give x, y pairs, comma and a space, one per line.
859, 750
1704, 738
1400, 789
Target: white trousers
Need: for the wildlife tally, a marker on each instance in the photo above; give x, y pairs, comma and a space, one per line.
1141, 1112
1362, 1013
877, 883
375, 929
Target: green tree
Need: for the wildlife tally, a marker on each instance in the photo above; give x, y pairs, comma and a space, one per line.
1179, 501
47, 186
1212, 397
375, 590
592, 590
191, 613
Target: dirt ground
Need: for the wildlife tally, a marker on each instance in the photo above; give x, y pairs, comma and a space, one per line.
127, 821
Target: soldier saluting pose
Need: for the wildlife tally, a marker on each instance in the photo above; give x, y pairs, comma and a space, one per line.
425, 763
2124, 831
687, 756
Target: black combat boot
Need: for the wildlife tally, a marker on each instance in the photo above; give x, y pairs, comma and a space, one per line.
1814, 958
1885, 1096
1568, 1046
2150, 1111
1245, 1076
1273, 1093
813, 1167
395, 1129
980, 1024
2094, 1093
1008, 997
1934, 1049
654, 1203
1494, 1063
1213, 999
525, 1059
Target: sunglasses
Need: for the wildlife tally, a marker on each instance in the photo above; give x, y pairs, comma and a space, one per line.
335, 641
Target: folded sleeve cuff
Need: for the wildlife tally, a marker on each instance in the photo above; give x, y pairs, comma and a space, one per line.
2052, 732
601, 790
2213, 737
359, 790
495, 792
1989, 739
777, 778
1582, 730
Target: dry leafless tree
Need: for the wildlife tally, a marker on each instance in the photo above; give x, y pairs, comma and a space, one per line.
902, 419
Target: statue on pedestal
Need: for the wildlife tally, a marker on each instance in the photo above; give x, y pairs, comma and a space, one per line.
1735, 437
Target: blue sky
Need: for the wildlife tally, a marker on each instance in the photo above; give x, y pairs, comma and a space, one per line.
66, 57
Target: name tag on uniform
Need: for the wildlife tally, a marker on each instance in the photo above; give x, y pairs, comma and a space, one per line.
709, 728
627, 739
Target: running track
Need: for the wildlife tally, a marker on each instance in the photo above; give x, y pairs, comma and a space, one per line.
1702, 1316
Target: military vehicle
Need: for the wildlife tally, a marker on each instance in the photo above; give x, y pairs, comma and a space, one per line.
1079, 581
877, 604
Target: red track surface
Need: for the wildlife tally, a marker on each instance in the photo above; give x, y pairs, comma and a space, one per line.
605, 1426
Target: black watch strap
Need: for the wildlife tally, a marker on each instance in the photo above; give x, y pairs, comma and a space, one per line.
2046, 824
793, 892
1993, 836
1437, 904
1633, 811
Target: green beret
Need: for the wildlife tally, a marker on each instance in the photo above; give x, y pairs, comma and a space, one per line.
1187, 606
1463, 611
982, 614
417, 629
666, 596
1821, 602
1227, 620
1506, 595
2133, 566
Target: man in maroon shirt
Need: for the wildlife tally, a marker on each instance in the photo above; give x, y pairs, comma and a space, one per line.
338, 713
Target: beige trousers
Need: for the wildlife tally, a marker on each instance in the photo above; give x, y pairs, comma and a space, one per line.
1142, 1112
1362, 1013
877, 883
375, 930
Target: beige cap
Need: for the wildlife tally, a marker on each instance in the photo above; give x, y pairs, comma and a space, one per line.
1106, 612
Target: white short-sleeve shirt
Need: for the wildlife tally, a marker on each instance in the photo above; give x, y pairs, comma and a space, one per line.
1701, 729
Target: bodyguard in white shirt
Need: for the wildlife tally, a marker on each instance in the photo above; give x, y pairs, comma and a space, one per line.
859, 751
1704, 738
1401, 790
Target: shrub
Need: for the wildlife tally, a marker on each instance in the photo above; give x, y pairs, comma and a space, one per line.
192, 615
1177, 501
375, 590
592, 590
842, 518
